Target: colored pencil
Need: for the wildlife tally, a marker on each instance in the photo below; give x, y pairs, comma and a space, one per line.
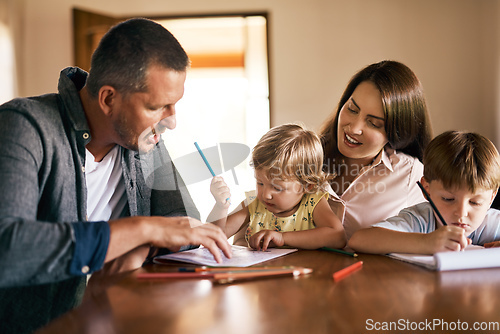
428, 197
206, 163
337, 276
175, 275
339, 251
224, 278
229, 275
204, 158
226, 269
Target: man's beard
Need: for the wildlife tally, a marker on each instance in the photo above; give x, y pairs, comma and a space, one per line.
127, 138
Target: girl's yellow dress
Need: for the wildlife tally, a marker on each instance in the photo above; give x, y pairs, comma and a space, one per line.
262, 219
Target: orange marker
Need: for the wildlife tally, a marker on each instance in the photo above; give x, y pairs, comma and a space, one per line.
337, 276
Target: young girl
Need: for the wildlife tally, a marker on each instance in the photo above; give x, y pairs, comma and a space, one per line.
290, 207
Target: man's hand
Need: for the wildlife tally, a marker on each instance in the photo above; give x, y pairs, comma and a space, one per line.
165, 232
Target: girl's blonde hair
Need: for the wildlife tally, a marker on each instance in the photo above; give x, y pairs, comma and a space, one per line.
291, 152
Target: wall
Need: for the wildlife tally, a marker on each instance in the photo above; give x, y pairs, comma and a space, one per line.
316, 46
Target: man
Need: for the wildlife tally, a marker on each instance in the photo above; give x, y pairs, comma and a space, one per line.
79, 186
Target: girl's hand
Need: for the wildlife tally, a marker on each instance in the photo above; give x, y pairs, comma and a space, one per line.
264, 239
448, 238
221, 192
492, 244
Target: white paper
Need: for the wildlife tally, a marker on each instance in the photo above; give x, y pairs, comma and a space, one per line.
473, 257
241, 256
470, 259
427, 261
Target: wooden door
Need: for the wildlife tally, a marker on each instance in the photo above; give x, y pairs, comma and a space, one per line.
88, 29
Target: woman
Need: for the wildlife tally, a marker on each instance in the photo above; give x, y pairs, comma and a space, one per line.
374, 143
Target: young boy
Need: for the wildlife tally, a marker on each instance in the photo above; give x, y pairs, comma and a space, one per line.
461, 176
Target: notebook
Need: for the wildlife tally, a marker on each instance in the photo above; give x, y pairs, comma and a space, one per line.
473, 257
241, 256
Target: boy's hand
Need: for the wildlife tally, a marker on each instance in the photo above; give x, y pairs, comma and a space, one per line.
492, 244
448, 238
264, 239
221, 192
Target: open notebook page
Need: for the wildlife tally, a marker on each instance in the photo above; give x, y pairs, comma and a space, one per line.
241, 256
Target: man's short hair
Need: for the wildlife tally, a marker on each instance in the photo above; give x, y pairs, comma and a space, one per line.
128, 50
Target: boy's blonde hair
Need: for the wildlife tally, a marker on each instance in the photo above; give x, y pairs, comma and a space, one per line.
462, 159
291, 152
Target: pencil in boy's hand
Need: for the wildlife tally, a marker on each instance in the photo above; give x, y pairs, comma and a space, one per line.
426, 194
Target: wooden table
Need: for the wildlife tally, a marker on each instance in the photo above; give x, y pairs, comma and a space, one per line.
384, 293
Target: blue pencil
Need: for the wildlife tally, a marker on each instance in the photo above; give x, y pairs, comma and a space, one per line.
206, 163
204, 158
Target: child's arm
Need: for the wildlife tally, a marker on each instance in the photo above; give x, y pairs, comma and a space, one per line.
237, 220
239, 238
218, 216
329, 232
221, 192
379, 240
